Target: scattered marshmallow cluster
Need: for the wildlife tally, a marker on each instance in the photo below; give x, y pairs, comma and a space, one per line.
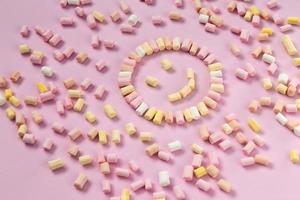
204, 164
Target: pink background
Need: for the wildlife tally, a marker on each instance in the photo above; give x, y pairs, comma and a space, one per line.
23, 169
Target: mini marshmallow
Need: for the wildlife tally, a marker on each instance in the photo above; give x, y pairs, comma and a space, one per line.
122, 172
66, 21
47, 71
203, 19
81, 181
268, 58
247, 161
175, 146
157, 20
281, 119
133, 20
164, 179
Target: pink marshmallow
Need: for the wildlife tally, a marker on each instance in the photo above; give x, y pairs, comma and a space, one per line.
58, 55
137, 185
109, 44
39, 30
47, 96
241, 9
216, 137
165, 156
247, 161
68, 52
101, 158
60, 107
55, 40
126, 28
129, 61
250, 69
245, 36
53, 88
106, 186
213, 158
225, 145
154, 46
47, 35
179, 118
249, 148
203, 185
236, 30
286, 28
85, 2
24, 31
133, 166
58, 128
178, 192
178, 3
272, 68
186, 45
100, 65
169, 117
157, 20
95, 42
48, 144
259, 141
188, 173
211, 28
148, 184
79, 11
272, 4
131, 96
210, 59
66, 21
91, 21
230, 117
256, 20
197, 160
99, 93
203, 53
122, 172
291, 108
29, 139
63, 3
214, 95
136, 102
241, 74
68, 104
278, 20
86, 84
112, 158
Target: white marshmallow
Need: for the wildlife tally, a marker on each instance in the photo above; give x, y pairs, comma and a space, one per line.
164, 179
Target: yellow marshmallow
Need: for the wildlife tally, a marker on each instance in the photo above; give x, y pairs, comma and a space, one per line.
289, 45
98, 16
166, 64
293, 20
130, 129
254, 125
158, 117
42, 88
151, 81
102, 137
90, 117
294, 156
79, 105
110, 111
24, 49
200, 172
